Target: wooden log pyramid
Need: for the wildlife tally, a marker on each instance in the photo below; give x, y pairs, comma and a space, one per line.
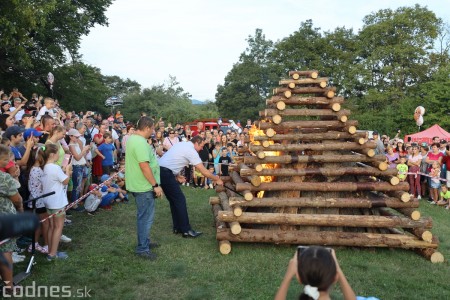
310, 178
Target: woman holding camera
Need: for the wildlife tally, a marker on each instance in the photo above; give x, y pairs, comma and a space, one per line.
318, 270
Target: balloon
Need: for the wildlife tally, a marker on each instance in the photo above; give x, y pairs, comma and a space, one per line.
419, 121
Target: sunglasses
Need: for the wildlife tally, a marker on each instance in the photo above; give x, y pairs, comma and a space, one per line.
171, 132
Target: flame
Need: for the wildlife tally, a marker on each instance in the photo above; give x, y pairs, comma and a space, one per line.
258, 132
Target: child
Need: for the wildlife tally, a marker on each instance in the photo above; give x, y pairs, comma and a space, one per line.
402, 169
108, 151
209, 182
93, 200
444, 195
199, 178
110, 192
55, 179
435, 175
224, 161
318, 270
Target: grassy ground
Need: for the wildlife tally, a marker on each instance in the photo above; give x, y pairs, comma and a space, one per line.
101, 258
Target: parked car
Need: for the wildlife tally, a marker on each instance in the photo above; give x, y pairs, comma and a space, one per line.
113, 101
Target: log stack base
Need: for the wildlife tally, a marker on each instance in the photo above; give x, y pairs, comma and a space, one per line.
311, 178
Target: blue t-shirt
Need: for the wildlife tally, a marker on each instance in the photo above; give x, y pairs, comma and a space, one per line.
107, 151
17, 154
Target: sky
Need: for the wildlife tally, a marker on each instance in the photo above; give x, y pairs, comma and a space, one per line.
198, 41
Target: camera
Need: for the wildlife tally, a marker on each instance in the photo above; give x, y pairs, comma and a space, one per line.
301, 249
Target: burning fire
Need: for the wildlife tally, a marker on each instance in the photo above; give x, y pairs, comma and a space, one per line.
258, 132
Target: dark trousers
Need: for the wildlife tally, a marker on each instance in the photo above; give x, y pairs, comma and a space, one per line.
177, 200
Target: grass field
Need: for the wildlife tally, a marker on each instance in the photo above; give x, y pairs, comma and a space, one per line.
102, 260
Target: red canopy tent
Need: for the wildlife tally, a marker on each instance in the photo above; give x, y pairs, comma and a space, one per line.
428, 134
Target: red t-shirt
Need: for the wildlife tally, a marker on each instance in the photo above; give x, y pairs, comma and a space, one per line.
432, 156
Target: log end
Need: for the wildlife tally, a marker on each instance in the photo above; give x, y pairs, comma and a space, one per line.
214, 200
352, 129
291, 85
265, 144
343, 119
361, 141
394, 180
277, 119
323, 84
295, 76
437, 257
427, 236
336, 107
235, 228
237, 211
261, 154
405, 197
383, 166
288, 94
255, 180
371, 153
248, 196
415, 215
314, 75
329, 94
259, 168
224, 247
270, 132
281, 105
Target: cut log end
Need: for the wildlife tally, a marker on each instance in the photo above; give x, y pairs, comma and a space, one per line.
352, 129
214, 200
330, 94
255, 180
270, 132
314, 75
394, 180
405, 197
295, 76
336, 107
361, 141
288, 94
277, 119
281, 105
437, 257
323, 84
265, 144
383, 166
291, 85
237, 211
224, 247
343, 119
371, 153
235, 228
261, 154
248, 196
415, 215
259, 168
427, 236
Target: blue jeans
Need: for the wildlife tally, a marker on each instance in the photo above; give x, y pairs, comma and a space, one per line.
177, 200
77, 177
145, 203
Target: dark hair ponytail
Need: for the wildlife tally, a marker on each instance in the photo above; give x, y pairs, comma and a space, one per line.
316, 268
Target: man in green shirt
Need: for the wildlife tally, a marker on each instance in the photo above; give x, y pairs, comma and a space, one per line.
142, 180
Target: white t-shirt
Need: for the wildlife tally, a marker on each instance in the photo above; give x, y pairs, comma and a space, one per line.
19, 114
52, 181
75, 162
179, 156
42, 112
35, 186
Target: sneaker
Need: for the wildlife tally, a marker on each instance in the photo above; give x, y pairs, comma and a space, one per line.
38, 248
91, 213
432, 203
187, 183
17, 258
65, 239
211, 186
447, 207
419, 197
183, 184
147, 255
59, 255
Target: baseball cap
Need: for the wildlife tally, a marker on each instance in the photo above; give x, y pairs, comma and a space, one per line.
13, 130
31, 131
400, 141
375, 133
104, 177
73, 132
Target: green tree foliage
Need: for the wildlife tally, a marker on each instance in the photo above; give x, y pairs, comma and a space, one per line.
249, 82
381, 71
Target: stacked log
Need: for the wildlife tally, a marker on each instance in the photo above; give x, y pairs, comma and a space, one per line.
312, 178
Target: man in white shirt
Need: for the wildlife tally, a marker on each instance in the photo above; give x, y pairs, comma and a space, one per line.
171, 163
17, 102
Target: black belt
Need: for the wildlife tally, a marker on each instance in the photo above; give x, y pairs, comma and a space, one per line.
164, 168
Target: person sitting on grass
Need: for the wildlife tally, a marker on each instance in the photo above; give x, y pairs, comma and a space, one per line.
444, 196
318, 270
402, 168
93, 200
110, 192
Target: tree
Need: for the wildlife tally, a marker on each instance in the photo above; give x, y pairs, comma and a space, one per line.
38, 36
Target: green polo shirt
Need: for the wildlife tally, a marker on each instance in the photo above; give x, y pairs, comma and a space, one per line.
138, 150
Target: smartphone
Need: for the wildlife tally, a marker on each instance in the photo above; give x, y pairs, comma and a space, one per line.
34, 113
66, 161
301, 249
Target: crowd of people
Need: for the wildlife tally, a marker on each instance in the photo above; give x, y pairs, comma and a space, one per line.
426, 167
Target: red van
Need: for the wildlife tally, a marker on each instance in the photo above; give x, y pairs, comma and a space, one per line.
208, 124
